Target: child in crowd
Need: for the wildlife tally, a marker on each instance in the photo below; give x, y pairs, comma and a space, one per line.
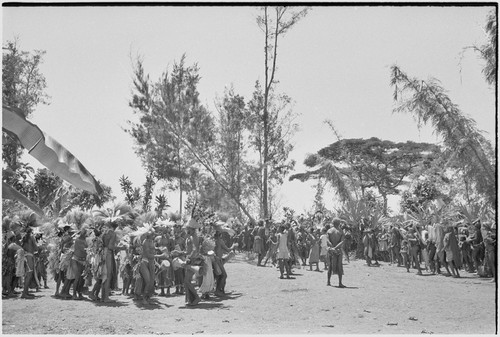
272, 243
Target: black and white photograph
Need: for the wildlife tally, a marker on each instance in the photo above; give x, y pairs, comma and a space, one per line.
232, 168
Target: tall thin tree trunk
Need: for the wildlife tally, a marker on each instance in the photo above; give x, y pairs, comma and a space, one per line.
180, 198
385, 203
265, 208
180, 178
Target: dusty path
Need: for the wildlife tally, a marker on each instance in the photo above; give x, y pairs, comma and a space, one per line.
383, 300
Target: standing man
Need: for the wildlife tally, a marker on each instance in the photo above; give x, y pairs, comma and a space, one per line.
192, 254
476, 241
395, 245
259, 242
414, 248
9, 264
147, 266
110, 241
368, 247
79, 262
347, 241
42, 261
336, 238
28, 244
490, 243
220, 273
163, 249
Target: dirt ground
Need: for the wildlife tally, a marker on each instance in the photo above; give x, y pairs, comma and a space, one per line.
380, 300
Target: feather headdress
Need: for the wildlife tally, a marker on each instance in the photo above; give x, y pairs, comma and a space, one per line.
165, 223
148, 217
119, 214
146, 228
192, 223
78, 218
25, 219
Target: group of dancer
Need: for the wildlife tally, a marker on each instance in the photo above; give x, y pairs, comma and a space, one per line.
153, 256
453, 246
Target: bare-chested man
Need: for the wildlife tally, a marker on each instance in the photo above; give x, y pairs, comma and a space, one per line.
79, 262
9, 264
336, 237
192, 252
164, 245
28, 244
110, 242
146, 268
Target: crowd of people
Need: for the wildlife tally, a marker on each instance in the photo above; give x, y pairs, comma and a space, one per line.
159, 256
453, 246
430, 248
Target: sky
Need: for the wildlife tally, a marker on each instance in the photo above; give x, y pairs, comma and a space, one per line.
334, 64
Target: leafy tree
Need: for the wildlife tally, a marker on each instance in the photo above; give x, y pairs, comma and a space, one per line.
361, 214
231, 128
418, 196
86, 200
148, 193
169, 108
45, 187
488, 51
275, 23
132, 195
368, 163
319, 205
22, 87
271, 133
176, 135
429, 103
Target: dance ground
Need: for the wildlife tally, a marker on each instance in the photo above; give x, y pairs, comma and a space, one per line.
381, 300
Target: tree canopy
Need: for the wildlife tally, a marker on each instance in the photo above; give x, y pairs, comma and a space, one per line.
369, 163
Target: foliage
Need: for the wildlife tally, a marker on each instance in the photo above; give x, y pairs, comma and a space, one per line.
472, 212
272, 146
26, 219
428, 102
77, 217
161, 204
167, 110
231, 139
121, 213
23, 87
20, 178
488, 51
351, 164
325, 169
359, 215
132, 195
86, 200
148, 193
319, 205
199, 210
45, 189
42, 187
419, 196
